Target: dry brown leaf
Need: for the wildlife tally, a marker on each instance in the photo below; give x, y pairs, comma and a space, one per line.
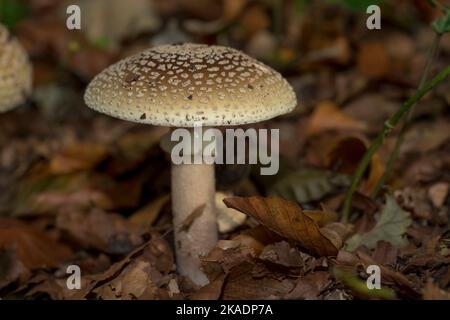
288, 220
391, 277
34, 248
50, 202
327, 116
253, 20
133, 282
438, 193
78, 156
433, 292
12, 269
107, 232
322, 217
344, 154
373, 60
142, 274
227, 219
257, 238
310, 286
283, 257
250, 280
212, 291
147, 215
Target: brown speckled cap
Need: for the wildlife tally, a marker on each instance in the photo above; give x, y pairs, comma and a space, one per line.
189, 85
15, 72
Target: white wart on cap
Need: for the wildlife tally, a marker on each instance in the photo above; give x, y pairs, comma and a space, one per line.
189, 85
15, 72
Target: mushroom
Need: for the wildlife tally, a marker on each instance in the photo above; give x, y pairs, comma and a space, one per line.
15, 72
182, 86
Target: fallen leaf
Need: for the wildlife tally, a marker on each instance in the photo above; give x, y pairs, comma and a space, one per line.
310, 286
391, 227
12, 269
385, 253
107, 232
134, 281
306, 185
284, 258
287, 219
142, 274
227, 219
51, 202
327, 116
245, 276
433, 292
322, 217
438, 193
253, 281
390, 277
34, 248
257, 238
78, 156
147, 215
211, 291
373, 60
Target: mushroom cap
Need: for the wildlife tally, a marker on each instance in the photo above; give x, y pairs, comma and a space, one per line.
190, 85
15, 72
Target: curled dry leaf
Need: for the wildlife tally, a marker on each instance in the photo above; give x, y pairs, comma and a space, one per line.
344, 156
288, 220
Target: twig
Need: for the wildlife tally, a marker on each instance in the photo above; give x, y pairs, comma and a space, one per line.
433, 53
388, 126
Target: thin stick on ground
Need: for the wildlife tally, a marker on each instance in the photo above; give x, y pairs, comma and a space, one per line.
378, 142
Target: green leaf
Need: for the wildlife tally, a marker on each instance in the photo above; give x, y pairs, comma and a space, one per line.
308, 184
442, 24
391, 227
12, 11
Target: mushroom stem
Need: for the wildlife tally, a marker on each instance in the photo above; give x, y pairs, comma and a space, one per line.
193, 186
